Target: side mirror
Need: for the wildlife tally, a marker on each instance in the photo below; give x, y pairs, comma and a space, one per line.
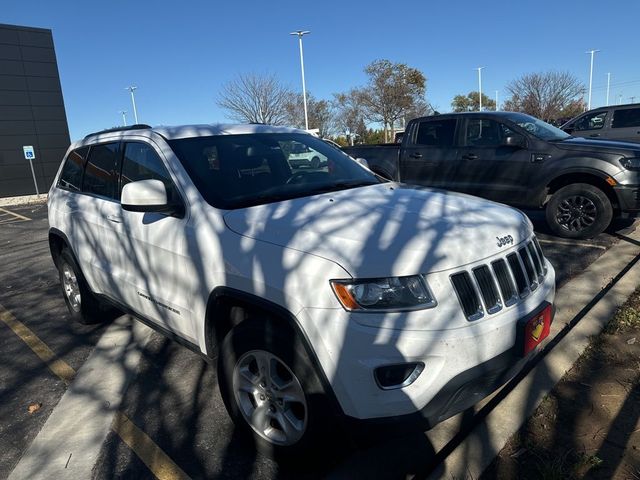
568, 130
147, 196
514, 140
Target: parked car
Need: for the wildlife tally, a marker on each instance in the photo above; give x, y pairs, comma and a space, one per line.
518, 160
321, 294
301, 155
615, 122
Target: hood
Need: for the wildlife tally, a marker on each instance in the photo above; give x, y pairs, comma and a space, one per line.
605, 146
386, 229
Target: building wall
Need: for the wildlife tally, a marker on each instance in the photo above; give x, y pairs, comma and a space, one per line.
31, 110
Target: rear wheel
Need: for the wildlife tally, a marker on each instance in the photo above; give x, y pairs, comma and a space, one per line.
579, 211
272, 392
315, 162
83, 305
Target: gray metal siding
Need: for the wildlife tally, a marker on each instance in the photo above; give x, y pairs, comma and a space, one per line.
31, 109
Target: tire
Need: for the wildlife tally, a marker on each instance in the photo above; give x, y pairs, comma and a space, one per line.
579, 210
84, 307
254, 400
315, 162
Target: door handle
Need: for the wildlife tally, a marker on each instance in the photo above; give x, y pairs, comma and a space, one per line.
114, 218
594, 135
416, 155
470, 156
71, 204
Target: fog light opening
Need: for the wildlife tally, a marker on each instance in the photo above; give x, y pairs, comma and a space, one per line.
399, 375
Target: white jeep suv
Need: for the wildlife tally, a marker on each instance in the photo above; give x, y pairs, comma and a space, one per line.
320, 292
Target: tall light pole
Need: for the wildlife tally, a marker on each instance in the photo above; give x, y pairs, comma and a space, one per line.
608, 83
131, 89
620, 99
300, 34
479, 88
124, 117
592, 53
496, 100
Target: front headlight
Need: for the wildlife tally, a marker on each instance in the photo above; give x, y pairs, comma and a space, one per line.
384, 294
631, 163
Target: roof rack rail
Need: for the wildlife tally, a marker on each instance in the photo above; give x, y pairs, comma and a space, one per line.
139, 126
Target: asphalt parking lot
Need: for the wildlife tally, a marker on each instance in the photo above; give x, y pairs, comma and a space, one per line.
173, 399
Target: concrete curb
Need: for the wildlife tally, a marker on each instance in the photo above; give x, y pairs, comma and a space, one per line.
23, 200
68, 444
474, 454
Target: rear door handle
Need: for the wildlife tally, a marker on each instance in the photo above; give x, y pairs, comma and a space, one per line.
114, 218
71, 204
470, 156
416, 155
594, 135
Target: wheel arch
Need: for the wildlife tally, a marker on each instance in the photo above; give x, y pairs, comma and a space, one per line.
57, 242
228, 307
597, 180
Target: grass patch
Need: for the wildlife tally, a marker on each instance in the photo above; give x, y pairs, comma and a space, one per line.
627, 317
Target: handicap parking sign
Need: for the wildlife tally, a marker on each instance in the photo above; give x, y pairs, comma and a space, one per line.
29, 152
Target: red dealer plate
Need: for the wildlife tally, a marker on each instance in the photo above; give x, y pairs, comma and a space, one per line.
536, 329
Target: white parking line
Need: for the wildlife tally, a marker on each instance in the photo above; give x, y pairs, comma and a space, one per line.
14, 214
572, 243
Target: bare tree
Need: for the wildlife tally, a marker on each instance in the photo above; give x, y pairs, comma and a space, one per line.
393, 90
255, 98
320, 113
545, 95
350, 113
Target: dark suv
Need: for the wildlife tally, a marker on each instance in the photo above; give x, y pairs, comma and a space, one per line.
619, 122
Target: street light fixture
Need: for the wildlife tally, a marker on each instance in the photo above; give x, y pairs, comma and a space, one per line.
592, 53
479, 69
131, 89
124, 117
300, 34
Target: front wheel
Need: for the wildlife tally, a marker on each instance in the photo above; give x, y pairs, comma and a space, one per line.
579, 210
272, 392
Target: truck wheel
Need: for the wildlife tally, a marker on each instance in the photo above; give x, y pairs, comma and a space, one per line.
315, 162
83, 305
272, 392
579, 210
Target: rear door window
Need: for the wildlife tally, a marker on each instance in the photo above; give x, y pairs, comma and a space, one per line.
629, 117
141, 162
437, 133
71, 175
483, 132
100, 174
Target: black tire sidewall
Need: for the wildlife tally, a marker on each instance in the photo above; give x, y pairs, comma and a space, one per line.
255, 335
604, 210
90, 311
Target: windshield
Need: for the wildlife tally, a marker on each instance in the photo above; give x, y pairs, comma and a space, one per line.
537, 128
235, 171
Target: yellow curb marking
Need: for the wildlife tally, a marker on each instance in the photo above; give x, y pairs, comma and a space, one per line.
146, 449
139, 442
60, 368
16, 215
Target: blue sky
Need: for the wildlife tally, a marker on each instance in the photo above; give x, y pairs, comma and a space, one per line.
180, 53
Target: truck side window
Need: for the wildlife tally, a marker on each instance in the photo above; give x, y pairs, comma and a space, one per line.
437, 133
141, 162
482, 132
592, 121
71, 175
629, 117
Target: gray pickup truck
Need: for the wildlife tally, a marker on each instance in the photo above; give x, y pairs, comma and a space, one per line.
519, 160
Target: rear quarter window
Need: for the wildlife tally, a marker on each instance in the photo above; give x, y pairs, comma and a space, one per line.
71, 175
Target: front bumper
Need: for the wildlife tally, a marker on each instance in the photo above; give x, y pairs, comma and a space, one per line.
462, 364
628, 197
